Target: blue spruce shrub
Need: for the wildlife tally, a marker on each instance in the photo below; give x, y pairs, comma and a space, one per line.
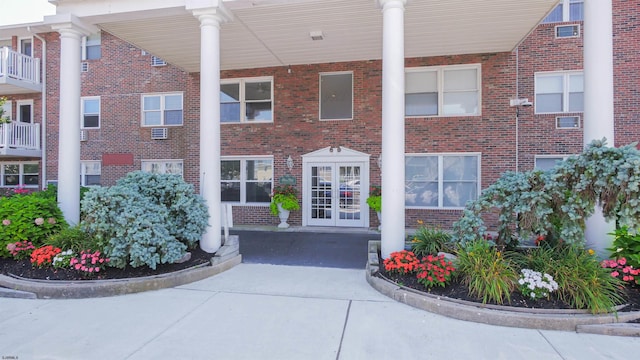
132, 228
188, 216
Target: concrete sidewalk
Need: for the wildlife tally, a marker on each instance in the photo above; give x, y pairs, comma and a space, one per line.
260, 311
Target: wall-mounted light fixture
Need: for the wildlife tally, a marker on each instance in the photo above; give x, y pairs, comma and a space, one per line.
289, 163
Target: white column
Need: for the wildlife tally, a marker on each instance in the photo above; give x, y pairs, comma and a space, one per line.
393, 217
69, 128
598, 100
210, 125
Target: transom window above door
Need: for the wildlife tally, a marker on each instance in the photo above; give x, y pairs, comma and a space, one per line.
246, 100
443, 91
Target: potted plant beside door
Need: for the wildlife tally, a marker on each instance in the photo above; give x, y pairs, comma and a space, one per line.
375, 202
283, 200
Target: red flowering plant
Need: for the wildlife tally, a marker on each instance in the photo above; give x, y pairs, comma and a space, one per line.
43, 256
402, 262
21, 249
621, 270
89, 262
434, 270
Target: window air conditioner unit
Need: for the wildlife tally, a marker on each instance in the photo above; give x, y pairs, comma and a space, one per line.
567, 31
83, 135
159, 133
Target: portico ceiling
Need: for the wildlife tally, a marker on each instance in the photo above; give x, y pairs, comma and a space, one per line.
265, 33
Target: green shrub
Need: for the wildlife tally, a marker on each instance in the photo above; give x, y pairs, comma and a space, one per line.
74, 238
626, 245
133, 228
428, 240
145, 219
488, 273
28, 217
188, 215
582, 282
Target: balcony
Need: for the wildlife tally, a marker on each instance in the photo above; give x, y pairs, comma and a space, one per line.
19, 139
19, 74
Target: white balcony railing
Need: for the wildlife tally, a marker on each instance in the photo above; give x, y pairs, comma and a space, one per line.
18, 66
20, 135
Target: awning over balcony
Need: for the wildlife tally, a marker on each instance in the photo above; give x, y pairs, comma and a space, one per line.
278, 32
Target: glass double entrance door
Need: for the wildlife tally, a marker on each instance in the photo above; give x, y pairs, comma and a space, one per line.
335, 195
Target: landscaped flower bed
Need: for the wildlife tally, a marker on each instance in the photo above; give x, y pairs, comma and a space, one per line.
143, 225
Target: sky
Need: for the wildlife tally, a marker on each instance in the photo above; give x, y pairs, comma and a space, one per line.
24, 11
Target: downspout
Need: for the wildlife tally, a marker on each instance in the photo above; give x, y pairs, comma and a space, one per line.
517, 107
44, 108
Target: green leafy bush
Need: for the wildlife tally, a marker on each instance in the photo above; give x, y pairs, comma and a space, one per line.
28, 217
582, 282
429, 240
188, 216
146, 219
75, 239
626, 245
489, 274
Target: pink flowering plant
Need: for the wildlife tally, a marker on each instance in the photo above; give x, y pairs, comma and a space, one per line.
434, 270
89, 262
622, 270
20, 249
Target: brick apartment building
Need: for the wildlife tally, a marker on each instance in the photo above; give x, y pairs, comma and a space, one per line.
305, 96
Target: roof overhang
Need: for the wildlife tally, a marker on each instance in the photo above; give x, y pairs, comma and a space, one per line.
266, 33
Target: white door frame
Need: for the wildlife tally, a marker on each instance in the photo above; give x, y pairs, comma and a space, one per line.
339, 156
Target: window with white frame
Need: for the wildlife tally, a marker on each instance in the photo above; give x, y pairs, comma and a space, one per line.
156, 61
90, 107
567, 10
15, 174
162, 109
246, 100
548, 162
336, 96
441, 180
443, 91
90, 172
559, 92
91, 47
24, 111
163, 166
246, 180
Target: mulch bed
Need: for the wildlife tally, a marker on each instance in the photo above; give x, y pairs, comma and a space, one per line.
23, 268
457, 290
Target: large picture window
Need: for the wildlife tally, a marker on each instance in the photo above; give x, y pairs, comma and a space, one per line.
336, 96
559, 92
442, 91
16, 174
162, 109
246, 100
246, 180
441, 181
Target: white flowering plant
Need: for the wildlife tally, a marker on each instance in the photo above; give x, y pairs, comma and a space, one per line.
536, 285
63, 259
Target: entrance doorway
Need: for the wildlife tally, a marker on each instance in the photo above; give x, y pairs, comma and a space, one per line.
335, 187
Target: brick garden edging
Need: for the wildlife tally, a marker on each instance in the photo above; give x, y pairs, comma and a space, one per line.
571, 320
224, 259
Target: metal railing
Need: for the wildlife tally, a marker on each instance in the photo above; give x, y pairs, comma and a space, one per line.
20, 135
19, 66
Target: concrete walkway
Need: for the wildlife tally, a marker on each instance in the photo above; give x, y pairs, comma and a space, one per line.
262, 311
